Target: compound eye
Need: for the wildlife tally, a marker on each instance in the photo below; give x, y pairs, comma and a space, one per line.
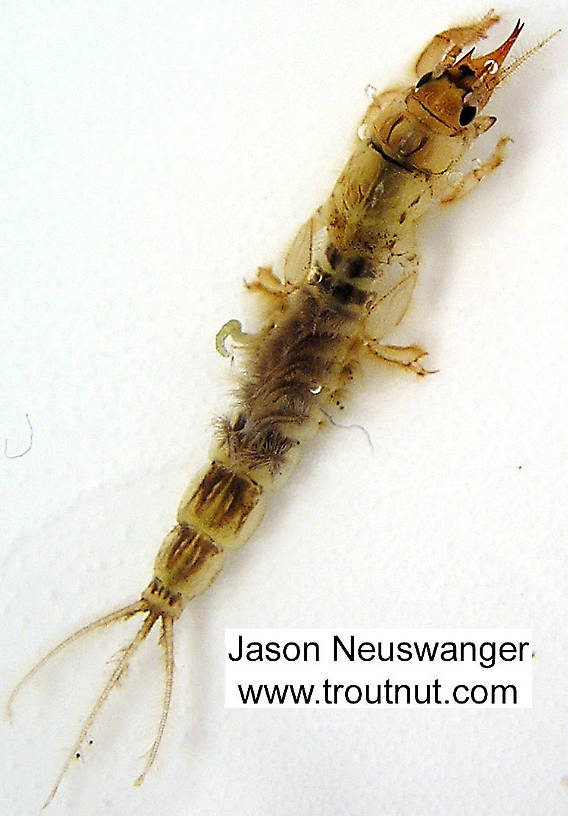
423, 80
467, 115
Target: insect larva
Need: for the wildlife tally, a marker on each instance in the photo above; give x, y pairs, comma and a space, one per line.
348, 278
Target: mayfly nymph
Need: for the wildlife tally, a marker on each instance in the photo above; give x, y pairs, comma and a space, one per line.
346, 283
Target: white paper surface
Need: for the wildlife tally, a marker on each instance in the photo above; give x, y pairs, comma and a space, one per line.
153, 155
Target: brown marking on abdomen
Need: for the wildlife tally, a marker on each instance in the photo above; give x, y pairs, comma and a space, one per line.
224, 499
186, 563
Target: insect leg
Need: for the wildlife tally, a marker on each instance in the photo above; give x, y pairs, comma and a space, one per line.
234, 330
449, 191
447, 45
405, 356
266, 282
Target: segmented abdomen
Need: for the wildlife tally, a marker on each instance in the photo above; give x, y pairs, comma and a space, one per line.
289, 368
347, 261
219, 511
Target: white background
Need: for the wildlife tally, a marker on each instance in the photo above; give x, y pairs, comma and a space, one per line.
154, 153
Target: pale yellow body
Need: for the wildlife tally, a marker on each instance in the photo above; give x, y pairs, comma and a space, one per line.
347, 280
